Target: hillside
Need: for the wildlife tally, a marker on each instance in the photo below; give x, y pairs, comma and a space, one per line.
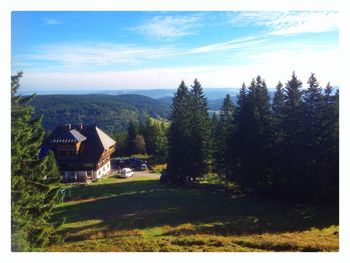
111, 113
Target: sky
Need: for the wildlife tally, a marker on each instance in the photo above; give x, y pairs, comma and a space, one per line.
62, 51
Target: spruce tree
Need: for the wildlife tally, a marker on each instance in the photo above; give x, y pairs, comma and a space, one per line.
278, 105
130, 141
225, 127
314, 131
253, 136
179, 137
200, 150
35, 183
238, 139
294, 139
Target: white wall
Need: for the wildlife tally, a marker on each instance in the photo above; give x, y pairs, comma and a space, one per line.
103, 170
96, 174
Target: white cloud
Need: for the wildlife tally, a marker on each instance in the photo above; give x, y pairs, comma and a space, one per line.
101, 54
169, 27
52, 21
241, 43
285, 23
104, 54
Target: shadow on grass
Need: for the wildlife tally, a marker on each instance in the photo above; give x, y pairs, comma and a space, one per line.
147, 204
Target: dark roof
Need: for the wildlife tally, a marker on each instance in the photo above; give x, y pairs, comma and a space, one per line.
94, 142
69, 136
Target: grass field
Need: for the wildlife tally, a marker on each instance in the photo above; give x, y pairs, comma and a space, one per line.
139, 214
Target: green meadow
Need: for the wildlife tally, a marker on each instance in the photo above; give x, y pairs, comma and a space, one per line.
140, 214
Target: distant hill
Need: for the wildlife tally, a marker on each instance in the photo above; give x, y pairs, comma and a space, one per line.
111, 113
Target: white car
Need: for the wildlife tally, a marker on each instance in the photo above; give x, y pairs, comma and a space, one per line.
126, 172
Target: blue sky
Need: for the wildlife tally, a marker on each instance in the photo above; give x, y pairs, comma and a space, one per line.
117, 50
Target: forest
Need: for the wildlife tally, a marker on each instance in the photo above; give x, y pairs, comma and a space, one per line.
287, 147
111, 113
280, 146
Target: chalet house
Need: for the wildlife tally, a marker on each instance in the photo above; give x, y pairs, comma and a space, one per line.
82, 152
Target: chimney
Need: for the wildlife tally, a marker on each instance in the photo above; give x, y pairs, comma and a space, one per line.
81, 126
68, 126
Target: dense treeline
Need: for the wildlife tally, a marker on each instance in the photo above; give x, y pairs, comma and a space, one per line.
286, 146
149, 138
35, 183
110, 113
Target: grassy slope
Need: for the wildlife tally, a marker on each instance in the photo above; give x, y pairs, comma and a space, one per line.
139, 214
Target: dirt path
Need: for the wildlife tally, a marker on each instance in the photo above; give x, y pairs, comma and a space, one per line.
146, 173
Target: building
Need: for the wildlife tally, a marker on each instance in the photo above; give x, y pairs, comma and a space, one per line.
82, 152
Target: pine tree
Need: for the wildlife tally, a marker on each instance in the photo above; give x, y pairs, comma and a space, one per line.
253, 137
130, 141
179, 138
225, 127
331, 143
200, 150
35, 183
294, 138
278, 104
238, 139
312, 108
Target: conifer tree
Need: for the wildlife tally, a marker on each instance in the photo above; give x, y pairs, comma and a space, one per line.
130, 141
179, 137
313, 126
254, 129
35, 183
294, 137
330, 146
238, 139
200, 132
225, 128
278, 104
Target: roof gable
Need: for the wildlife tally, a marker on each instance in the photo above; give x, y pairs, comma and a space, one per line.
105, 140
69, 136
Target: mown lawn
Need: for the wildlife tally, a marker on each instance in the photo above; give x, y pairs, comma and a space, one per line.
139, 214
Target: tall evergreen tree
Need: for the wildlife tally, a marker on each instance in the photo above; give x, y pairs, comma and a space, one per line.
238, 139
294, 137
130, 141
330, 146
254, 129
35, 183
278, 104
225, 127
200, 132
179, 137
312, 108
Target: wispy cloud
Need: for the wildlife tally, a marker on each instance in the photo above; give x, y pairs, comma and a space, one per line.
95, 55
51, 21
237, 44
100, 54
278, 68
285, 23
169, 27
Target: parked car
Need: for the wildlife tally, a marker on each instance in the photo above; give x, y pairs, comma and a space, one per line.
126, 172
143, 167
